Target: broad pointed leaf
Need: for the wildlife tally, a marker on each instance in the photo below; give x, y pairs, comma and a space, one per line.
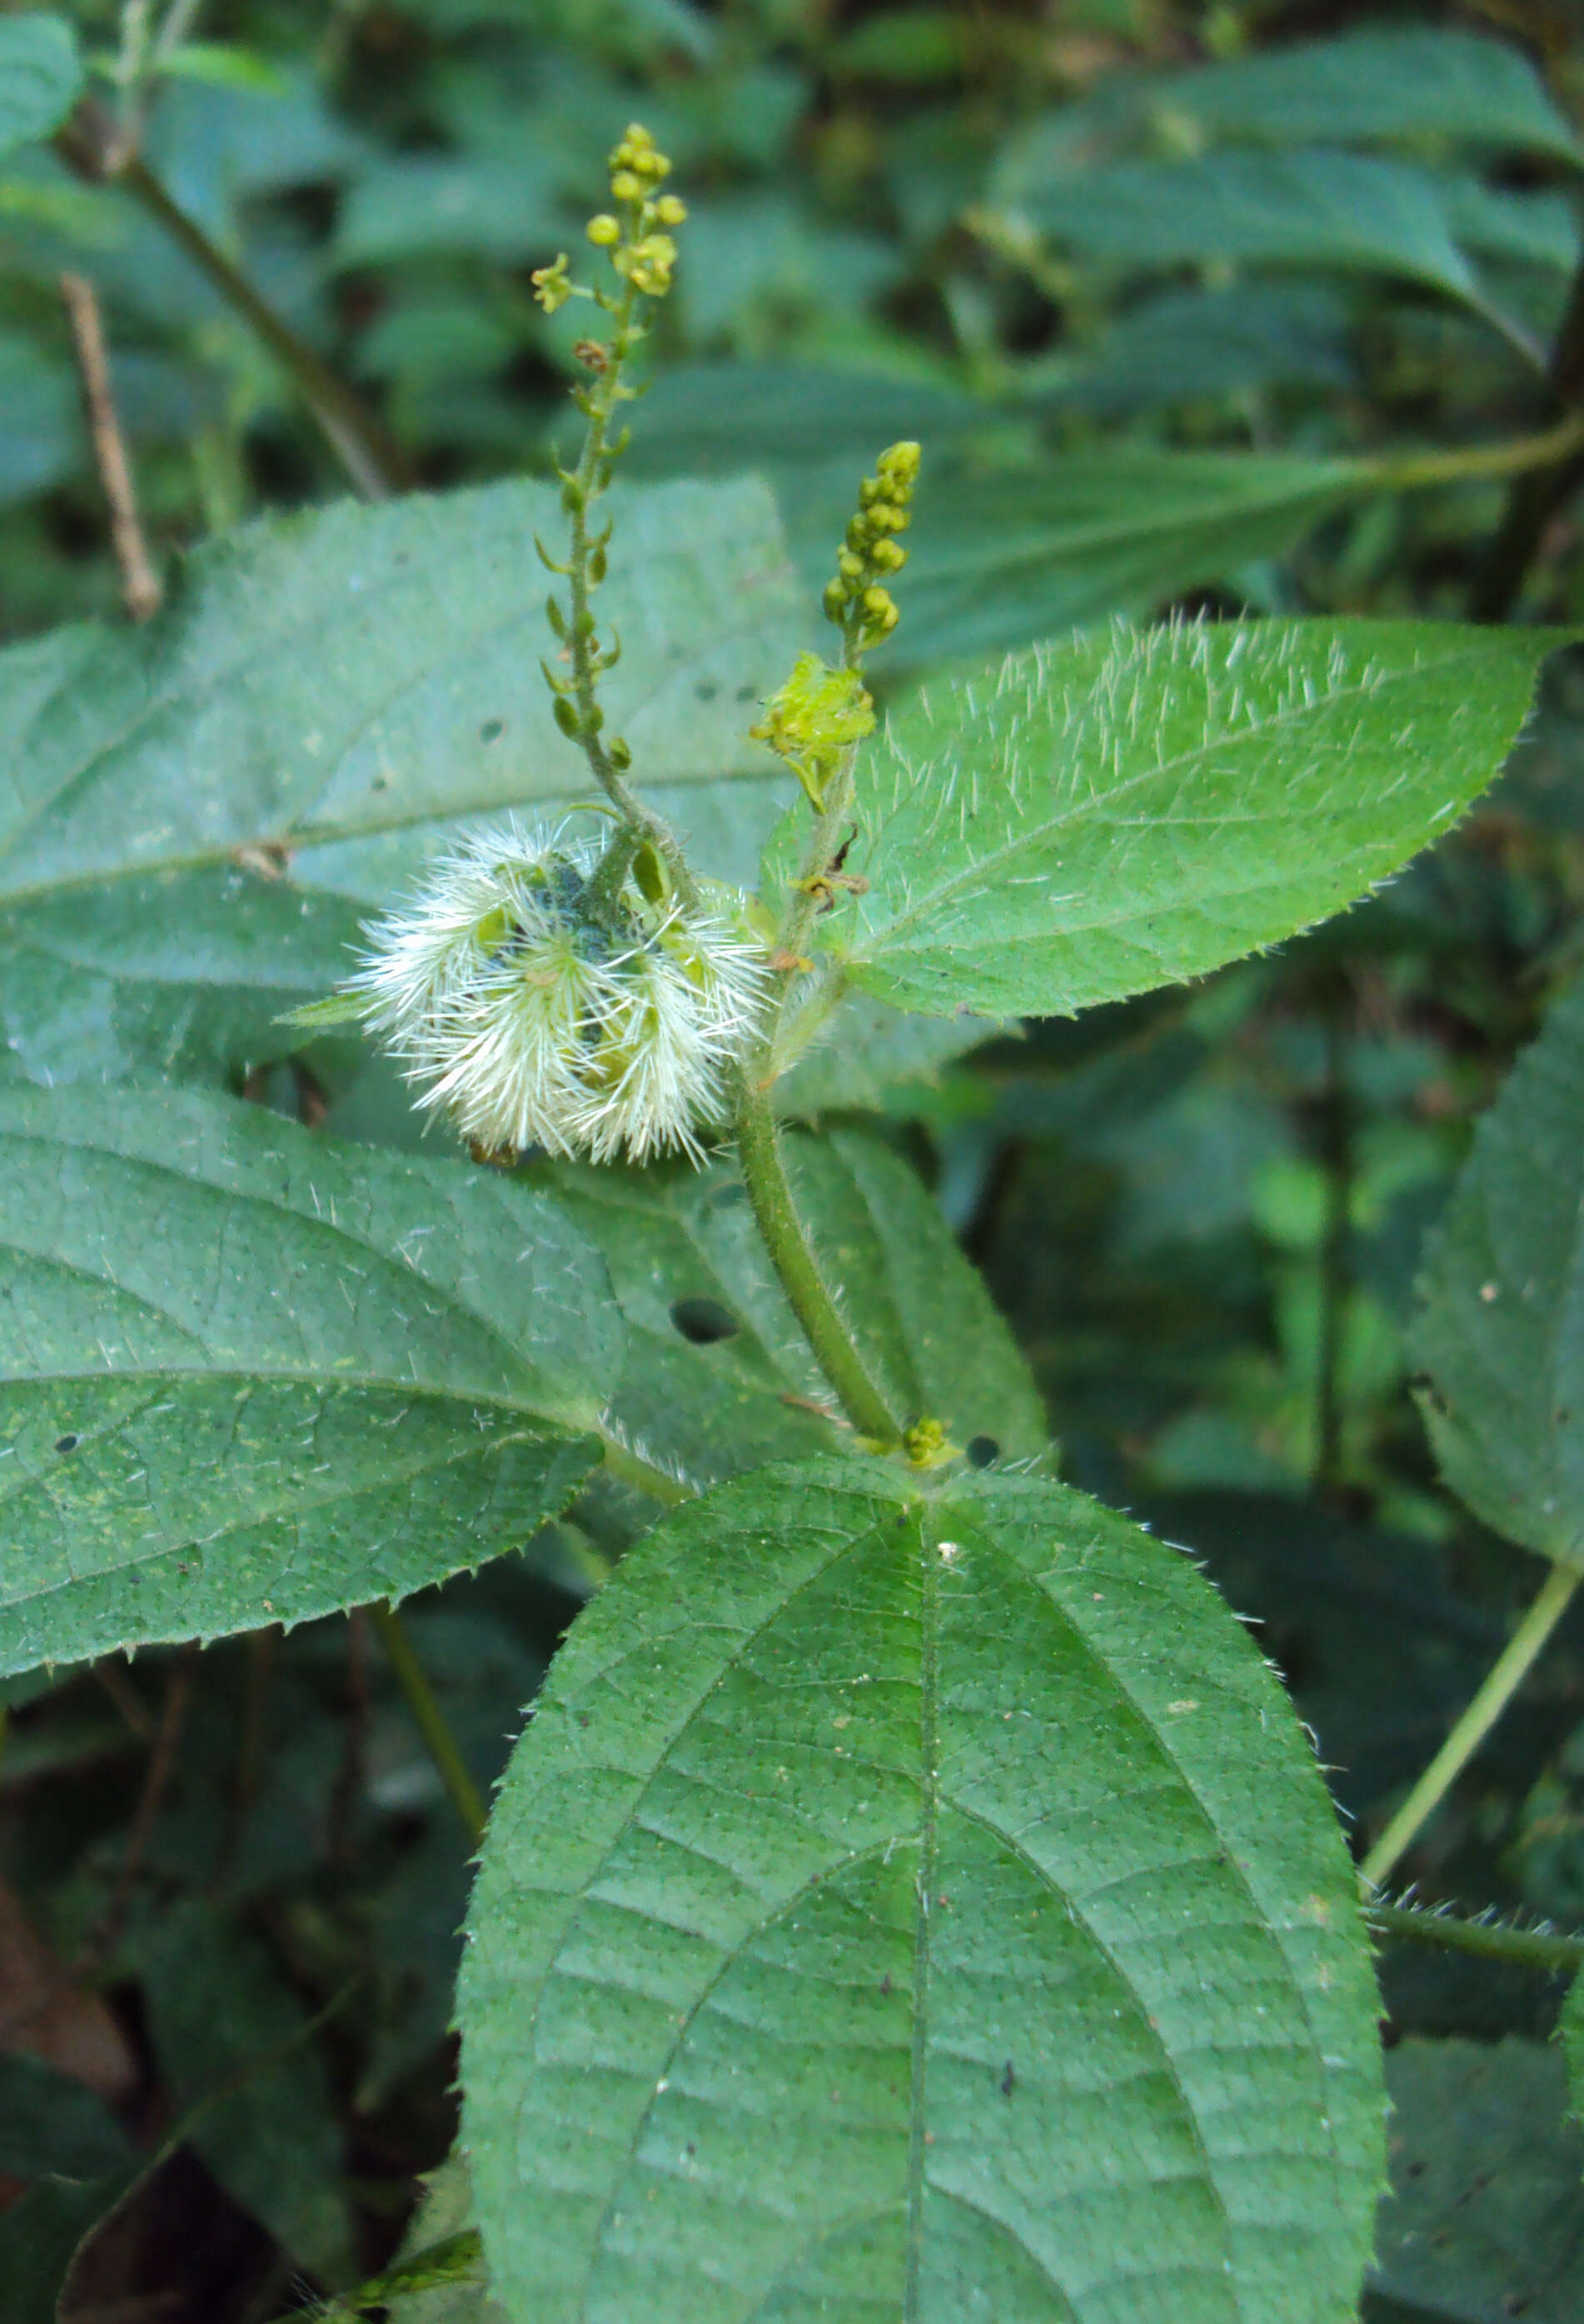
193, 811
1499, 1327
1087, 821
1381, 85
1387, 82
1312, 207
916, 1906
41, 76
247, 1374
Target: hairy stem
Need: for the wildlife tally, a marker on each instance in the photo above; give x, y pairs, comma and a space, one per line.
862, 1398
1502, 1681
431, 1722
1535, 1949
630, 1467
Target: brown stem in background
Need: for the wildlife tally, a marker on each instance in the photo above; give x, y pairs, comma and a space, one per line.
91, 145
349, 1775
1336, 1128
102, 1943
1533, 500
140, 584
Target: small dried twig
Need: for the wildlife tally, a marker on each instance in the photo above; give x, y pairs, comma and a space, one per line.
140, 584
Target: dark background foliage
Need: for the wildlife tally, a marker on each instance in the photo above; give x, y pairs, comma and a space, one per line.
1202, 1213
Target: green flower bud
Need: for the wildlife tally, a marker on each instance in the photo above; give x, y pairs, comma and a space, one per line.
604, 231
551, 286
625, 187
670, 210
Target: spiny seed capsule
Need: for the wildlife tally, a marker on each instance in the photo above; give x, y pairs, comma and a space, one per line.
533, 1014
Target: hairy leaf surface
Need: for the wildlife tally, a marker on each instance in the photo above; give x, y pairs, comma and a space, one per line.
246, 1374
192, 811
718, 1377
1089, 820
916, 1906
1502, 1300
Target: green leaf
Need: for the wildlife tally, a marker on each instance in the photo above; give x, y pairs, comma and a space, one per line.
1315, 207
917, 1905
1486, 2217
718, 1375
236, 2051
1387, 83
41, 76
52, 2125
43, 437
1185, 344
998, 561
1497, 1325
445, 2212
417, 205
723, 417
249, 1375
193, 810
1570, 2034
43, 2233
871, 1049
1089, 820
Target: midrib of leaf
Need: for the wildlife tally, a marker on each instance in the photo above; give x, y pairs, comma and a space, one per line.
567, 1415
928, 1777
292, 835
1183, 762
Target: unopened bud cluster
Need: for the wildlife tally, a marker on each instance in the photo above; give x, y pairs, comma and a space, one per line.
858, 600
533, 1008
639, 241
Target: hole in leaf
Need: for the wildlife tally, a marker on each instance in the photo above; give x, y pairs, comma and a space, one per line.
492, 730
67, 1444
704, 1320
981, 1451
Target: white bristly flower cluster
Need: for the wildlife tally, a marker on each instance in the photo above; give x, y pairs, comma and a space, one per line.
531, 1018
